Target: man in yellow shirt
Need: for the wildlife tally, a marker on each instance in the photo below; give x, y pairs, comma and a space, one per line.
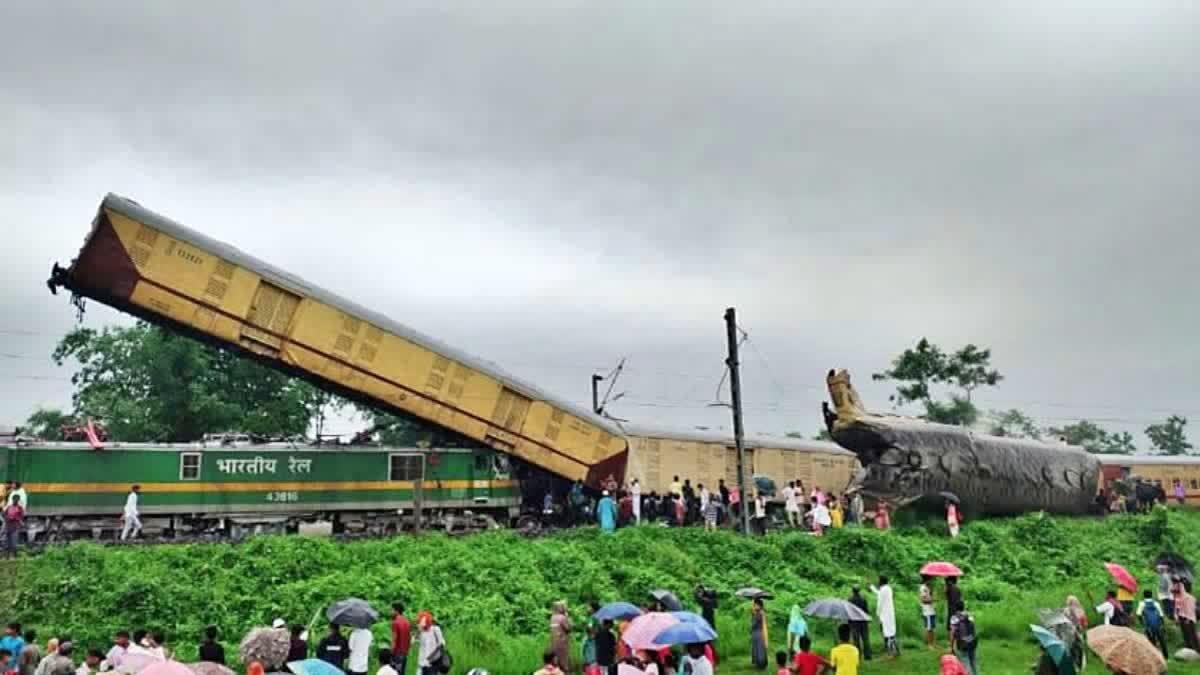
844, 657
1125, 597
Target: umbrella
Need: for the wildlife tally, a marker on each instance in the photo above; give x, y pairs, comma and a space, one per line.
1056, 648
836, 608
754, 593
949, 496
615, 611
352, 612
314, 667
1122, 576
668, 600
209, 668
685, 633
268, 646
1126, 650
167, 668
690, 617
1177, 566
941, 569
1057, 622
640, 632
136, 663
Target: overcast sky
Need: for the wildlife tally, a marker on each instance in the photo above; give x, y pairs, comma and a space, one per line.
556, 185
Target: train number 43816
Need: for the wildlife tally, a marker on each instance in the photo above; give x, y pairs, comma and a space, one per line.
283, 496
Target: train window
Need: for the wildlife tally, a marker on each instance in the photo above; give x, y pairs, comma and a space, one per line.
482, 463
1195, 484
189, 466
406, 467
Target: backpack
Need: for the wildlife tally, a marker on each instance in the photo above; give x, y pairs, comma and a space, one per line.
966, 630
1150, 615
1119, 617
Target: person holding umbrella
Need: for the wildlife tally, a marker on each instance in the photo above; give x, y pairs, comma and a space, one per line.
758, 635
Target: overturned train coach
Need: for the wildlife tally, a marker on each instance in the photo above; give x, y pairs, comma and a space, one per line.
908, 460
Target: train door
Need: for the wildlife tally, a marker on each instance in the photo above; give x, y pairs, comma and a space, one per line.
481, 477
268, 320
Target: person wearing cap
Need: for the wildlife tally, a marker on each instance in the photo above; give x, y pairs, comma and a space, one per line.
606, 511
278, 623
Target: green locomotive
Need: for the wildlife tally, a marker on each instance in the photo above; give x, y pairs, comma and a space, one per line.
76, 491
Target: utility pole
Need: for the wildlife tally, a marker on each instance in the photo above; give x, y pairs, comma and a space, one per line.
596, 380
735, 389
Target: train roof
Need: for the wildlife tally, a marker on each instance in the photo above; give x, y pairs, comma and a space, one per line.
758, 440
34, 444
134, 210
1131, 460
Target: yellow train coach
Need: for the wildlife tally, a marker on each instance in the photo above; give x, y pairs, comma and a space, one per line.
1161, 470
657, 455
152, 267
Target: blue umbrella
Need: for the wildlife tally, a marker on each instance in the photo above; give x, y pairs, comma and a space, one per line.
314, 667
1057, 649
690, 617
615, 611
686, 633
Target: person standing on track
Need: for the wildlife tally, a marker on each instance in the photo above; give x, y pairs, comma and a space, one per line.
635, 491
14, 518
133, 524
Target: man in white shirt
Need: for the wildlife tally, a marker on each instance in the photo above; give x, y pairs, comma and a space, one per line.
385, 663
635, 491
791, 504
694, 662
360, 651
133, 524
19, 491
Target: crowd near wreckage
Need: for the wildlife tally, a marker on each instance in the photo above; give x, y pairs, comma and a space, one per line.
503, 443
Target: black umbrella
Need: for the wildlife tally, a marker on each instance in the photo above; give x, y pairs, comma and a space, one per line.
668, 600
949, 496
1177, 566
352, 612
754, 593
836, 608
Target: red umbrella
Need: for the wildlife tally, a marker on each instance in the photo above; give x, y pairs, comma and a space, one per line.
1122, 576
941, 569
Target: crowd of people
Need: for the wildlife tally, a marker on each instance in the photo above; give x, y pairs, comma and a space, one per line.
685, 505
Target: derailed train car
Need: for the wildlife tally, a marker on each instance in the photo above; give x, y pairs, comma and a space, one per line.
163, 272
905, 460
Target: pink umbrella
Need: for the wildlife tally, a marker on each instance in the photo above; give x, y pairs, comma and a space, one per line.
167, 668
941, 569
1122, 576
136, 662
641, 631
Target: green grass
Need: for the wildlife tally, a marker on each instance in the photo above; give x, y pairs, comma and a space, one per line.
492, 592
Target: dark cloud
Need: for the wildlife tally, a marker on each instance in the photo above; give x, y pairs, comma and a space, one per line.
555, 185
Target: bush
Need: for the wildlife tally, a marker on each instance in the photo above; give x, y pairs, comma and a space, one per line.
499, 584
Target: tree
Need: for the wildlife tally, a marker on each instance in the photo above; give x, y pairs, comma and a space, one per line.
47, 424
1093, 438
1169, 437
970, 368
1013, 424
148, 384
917, 369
